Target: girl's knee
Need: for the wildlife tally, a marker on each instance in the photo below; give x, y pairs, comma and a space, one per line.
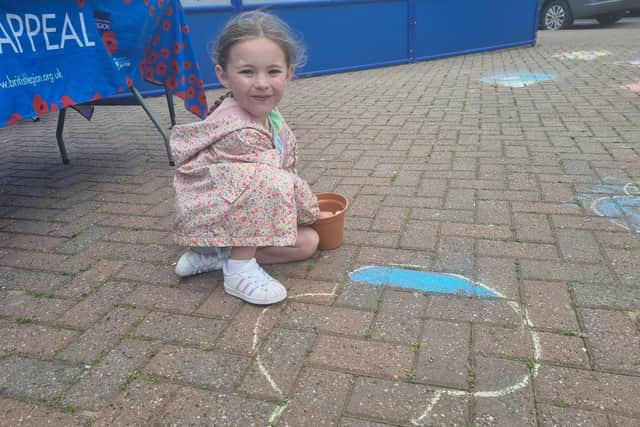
308, 241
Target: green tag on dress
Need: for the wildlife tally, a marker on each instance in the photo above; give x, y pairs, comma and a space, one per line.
275, 121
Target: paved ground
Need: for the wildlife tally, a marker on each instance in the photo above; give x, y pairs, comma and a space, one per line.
519, 189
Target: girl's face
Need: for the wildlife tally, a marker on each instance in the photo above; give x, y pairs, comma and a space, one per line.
257, 74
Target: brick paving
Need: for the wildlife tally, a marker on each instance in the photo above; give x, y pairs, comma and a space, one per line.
444, 173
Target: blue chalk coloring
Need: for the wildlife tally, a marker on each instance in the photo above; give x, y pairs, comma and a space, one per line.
420, 280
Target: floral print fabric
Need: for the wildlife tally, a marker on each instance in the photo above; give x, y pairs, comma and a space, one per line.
233, 187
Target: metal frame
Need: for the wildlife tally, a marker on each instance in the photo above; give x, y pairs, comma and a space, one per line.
137, 99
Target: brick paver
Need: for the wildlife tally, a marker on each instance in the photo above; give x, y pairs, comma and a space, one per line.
504, 186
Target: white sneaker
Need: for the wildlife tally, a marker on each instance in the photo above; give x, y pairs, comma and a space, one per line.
194, 261
253, 284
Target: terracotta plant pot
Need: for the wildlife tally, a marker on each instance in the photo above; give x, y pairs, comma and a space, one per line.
331, 228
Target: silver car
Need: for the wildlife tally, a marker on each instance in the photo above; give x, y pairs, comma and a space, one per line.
558, 14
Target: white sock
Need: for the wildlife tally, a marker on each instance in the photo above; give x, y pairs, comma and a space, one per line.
234, 265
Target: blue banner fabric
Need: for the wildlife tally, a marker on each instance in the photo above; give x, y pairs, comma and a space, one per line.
58, 54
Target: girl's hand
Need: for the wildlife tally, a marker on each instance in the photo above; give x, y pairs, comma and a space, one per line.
325, 214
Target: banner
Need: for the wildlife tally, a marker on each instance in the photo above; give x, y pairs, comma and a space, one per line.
58, 54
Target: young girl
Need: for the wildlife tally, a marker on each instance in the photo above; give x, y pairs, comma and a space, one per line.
235, 183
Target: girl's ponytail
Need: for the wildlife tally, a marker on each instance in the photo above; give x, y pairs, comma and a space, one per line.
219, 101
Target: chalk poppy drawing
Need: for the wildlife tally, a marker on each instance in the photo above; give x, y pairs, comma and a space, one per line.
581, 55
619, 202
633, 87
517, 79
635, 62
411, 278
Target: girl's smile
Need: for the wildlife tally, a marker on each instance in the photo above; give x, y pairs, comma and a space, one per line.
257, 74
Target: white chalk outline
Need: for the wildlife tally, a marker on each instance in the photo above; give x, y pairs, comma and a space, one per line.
632, 193
526, 322
537, 355
521, 312
277, 412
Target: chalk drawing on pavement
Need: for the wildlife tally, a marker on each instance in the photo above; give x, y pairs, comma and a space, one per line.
633, 87
420, 280
400, 276
630, 62
284, 401
618, 201
518, 79
581, 55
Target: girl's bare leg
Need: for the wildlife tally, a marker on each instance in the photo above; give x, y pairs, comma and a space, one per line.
304, 248
242, 252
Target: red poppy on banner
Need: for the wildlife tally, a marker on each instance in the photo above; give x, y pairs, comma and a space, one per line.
39, 105
109, 40
67, 101
15, 117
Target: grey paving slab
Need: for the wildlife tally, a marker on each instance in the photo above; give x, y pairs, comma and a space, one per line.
518, 189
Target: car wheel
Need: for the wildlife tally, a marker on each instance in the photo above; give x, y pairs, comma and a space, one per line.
606, 20
556, 15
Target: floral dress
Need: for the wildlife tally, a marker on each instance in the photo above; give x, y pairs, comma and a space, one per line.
233, 187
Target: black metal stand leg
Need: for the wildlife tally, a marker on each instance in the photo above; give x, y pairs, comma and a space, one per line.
172, 111
60, 128
167, 144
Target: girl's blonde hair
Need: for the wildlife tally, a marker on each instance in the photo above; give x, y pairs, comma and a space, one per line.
255, 24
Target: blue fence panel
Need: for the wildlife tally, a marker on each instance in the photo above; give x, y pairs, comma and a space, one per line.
349, 35
446, 28
339, 35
